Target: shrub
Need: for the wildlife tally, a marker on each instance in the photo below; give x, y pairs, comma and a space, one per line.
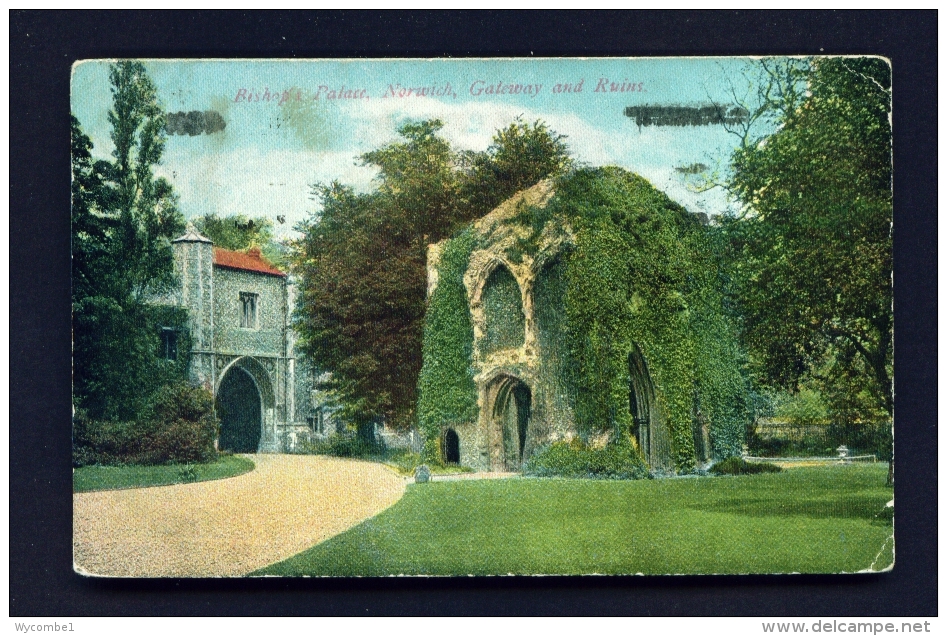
405, 461
181, 428
188, 473
181, 401
576, 459
342, 445
738, 466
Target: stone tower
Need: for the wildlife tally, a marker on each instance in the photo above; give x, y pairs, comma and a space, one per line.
194, 262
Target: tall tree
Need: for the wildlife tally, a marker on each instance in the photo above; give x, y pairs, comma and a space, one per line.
90, 227
362, 258
812, 251
521, 155
146, 207
123, 220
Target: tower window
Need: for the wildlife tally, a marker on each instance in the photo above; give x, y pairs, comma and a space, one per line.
248, 307
169, 343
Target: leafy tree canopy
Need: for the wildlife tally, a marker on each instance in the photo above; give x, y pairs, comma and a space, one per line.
236, 232
123, 220
362, 259
811, 254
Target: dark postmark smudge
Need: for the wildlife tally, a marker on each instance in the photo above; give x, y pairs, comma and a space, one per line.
703, 115
693, 168
195, 122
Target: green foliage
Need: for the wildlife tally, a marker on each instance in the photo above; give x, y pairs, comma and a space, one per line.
738, 466
447, 393
503, 308
145, 207
345, 445
123, 220
431, 452
577, 460
805, 407
187, 474
625, 277
404, 461
181, 401
811, 257
362, 259
641, 276
552, 330
180, 427
118, 361
521, 155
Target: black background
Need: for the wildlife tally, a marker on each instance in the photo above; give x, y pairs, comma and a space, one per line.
43, 46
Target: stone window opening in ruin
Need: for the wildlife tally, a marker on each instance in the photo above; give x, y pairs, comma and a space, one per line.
451, 447
248, 310
169, 343
505, 322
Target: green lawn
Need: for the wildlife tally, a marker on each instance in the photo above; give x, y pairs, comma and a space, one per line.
816, 519
114, 477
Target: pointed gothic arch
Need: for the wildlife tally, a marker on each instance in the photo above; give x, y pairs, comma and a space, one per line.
244, 399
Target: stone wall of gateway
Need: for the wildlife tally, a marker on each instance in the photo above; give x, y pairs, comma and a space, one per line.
268, 337
220, 342
268, 340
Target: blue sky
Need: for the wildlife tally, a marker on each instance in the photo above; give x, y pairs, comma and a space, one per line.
272, 150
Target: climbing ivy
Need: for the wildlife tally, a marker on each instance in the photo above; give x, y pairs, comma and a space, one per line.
503, 308
640, 274
447, 394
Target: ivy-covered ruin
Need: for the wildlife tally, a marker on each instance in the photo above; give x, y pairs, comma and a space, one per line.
587, 307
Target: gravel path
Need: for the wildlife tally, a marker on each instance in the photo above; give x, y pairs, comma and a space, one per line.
228, 527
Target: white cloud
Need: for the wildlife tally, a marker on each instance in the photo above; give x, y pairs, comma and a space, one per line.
255, 181
471, 125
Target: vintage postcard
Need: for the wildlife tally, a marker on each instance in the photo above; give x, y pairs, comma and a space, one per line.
455, 317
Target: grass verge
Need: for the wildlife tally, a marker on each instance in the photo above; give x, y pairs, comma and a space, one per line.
89, 478
820, 519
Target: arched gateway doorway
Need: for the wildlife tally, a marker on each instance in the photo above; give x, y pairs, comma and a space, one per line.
244, 395
451, 447
509, 423
647, 425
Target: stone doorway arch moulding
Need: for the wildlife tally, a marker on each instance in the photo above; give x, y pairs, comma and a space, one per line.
505, 422
263, 380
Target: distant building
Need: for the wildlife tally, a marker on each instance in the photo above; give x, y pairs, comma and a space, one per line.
243, 346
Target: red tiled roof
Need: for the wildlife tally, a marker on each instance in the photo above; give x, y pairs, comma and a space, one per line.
250, 261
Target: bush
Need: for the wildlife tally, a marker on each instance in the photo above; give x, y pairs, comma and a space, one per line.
738, 466
576, 459
405, 461
181, 428
342, 445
